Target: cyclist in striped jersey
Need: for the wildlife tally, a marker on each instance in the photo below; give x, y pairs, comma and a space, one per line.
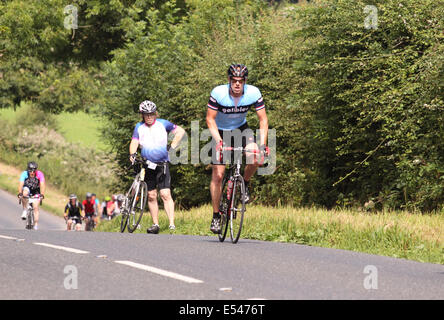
227, 110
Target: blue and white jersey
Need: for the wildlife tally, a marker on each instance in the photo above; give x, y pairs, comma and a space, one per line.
230, 117
153, 139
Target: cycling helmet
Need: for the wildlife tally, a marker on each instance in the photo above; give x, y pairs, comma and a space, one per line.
147, 107
72, 196
88, 194
32, 166
237, 70
120, 197
107, 198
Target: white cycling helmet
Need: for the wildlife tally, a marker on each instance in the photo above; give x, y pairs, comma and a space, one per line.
147, 107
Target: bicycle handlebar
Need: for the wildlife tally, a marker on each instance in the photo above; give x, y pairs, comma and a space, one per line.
36, 197
241, 149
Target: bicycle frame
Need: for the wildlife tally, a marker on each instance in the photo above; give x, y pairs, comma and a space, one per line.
30, 210
230, 210
137, 191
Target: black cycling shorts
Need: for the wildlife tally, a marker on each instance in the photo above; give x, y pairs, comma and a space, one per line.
77, 218
32, 192
233, 138
158, 178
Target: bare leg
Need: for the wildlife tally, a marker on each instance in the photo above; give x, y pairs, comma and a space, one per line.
252, 162
25, 200
153, 206
216, 185
36, 212
168, 203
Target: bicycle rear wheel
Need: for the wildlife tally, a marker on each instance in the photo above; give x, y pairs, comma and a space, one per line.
137, 205
127, 207
223, 209
237, 210
124, 220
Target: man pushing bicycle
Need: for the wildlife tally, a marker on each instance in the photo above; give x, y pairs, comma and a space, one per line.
151, 134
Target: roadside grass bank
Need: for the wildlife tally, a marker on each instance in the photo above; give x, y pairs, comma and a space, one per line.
398, 234
78, 127
69, 167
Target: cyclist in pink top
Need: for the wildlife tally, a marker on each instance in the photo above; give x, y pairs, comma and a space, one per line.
32, 182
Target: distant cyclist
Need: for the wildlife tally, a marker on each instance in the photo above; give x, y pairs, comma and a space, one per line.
151, 134
73, 212
227, 110
108, 208
32, 182
90, 207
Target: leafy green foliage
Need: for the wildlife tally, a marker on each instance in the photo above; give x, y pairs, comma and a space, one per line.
380, 103
358, 110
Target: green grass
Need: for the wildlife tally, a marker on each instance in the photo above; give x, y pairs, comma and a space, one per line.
81, 127
396, 234
7, 114
78, 127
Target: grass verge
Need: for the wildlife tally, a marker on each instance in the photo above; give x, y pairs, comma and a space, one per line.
395, 234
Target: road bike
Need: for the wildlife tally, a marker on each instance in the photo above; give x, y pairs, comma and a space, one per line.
90, 224
74, 222
135, 199
232, 205
30, 222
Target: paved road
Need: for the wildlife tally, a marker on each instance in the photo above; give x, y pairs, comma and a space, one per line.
10, 212
55, 264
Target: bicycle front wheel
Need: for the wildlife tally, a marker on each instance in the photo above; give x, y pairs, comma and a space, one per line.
137, 205
237, 210
223, 209
30, 219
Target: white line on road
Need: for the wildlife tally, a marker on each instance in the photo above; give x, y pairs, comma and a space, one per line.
160, 272
7, 237
60, 247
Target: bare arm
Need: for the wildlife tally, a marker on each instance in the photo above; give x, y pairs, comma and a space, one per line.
178, 135
20, 188
133, 146
263, 126
42, 187
212, 126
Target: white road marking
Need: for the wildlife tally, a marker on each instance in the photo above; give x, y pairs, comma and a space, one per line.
60, 247
160, 271
7, 237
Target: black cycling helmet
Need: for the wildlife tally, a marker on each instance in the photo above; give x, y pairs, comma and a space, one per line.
237, 70
32, 166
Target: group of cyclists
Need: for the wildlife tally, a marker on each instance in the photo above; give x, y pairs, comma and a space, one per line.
32, 185
226, 111
90, 210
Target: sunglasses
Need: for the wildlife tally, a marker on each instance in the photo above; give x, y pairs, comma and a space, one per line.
241, 81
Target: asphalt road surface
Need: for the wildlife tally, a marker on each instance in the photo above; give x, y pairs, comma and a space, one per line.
51, 263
